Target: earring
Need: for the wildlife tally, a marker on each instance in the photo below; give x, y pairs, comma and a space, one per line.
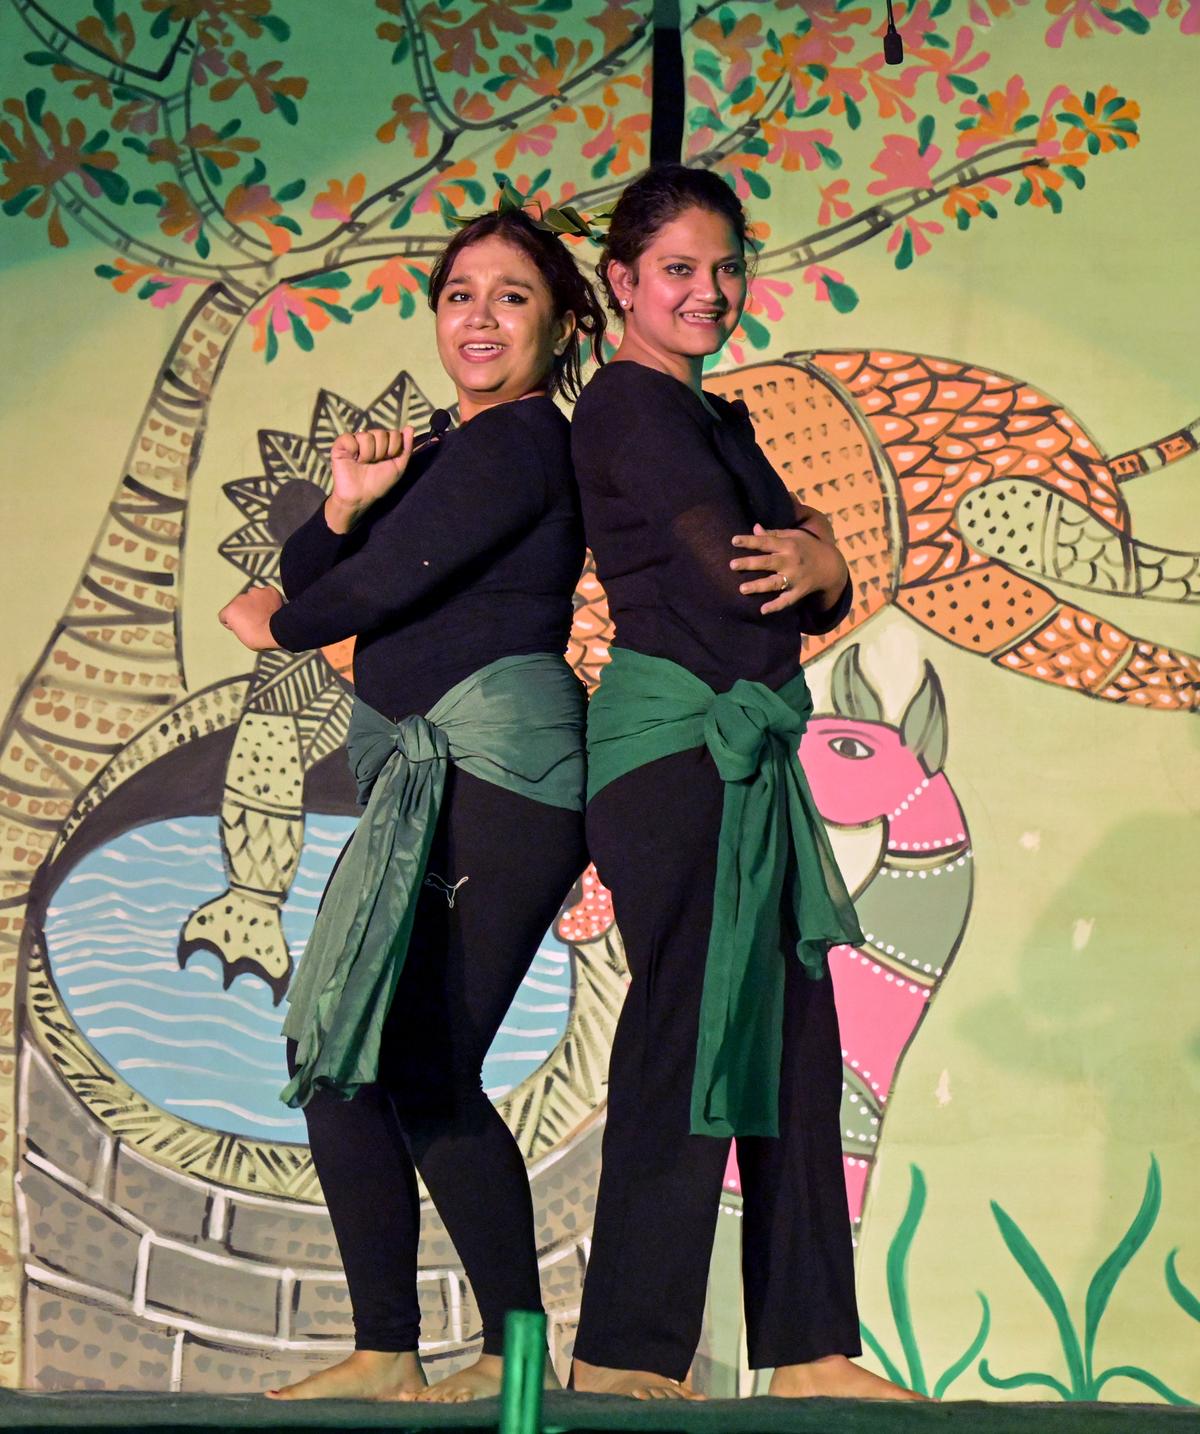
624, 303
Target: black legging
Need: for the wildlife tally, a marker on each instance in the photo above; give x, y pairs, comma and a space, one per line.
653, 837
465, 961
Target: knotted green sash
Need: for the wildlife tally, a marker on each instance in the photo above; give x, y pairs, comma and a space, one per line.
773, 854
517, 723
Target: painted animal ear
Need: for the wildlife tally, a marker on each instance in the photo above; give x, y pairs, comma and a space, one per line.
923, 726
852, 694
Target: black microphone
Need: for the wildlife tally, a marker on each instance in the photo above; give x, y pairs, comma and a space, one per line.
439, 422
893, 45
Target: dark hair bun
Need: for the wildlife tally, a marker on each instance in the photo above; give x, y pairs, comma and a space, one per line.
655, 198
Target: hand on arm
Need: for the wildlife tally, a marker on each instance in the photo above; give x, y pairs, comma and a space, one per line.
798, 564
249, 615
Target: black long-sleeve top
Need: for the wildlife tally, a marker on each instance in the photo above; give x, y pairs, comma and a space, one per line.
665, 486
473, 556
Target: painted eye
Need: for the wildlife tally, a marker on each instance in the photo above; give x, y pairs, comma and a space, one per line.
852, 748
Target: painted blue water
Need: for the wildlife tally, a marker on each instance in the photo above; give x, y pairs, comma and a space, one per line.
193, 1049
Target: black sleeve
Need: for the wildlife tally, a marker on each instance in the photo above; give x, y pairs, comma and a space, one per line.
487, 486
816, 621
310, 552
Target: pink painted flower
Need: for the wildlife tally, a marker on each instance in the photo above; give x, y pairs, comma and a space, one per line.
794, 149
833, 202
276, 310
820, 277
947, 63
902, 165
909, 238
339, 200
764, 295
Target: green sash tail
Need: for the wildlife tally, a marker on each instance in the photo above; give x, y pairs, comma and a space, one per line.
773, 855
517, 723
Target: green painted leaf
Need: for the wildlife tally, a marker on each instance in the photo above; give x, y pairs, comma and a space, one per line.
149, 196
704, 118
255, 174
757, 332
728, 20
203, 247
758, 184
1105, 1279
939, 42
708, 65
1132, 20
162, 23
600, 168
853, 113
286, 107
403, 215
290, 191
963, 84
104, 8
300, 332
742, 91
1180, 1293
963, 219
831, 157
904, 255
366, 301
400, 52
901, 1243
1076, 176
343, 316
843, 298
272, 341
280, 29
554, 7
989, 209
281, 221
42, 58
816, 108
1140, 1376
1026, 122
971, 1353
1054, 200
35, 103
1023, 1381
212, 170
408, 305
496, 83
774, 44
231, 128
97, 142
546, 46
115, 186
925, 129
1024, 192
106, 271
150, 288
19, 201
1045, 1284
1113, 106
137, 145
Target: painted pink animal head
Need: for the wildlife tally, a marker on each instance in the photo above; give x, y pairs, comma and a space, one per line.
863, 770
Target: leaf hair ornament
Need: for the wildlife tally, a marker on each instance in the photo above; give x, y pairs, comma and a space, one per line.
564, 220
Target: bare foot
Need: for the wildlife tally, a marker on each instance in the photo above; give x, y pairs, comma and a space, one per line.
365, 1374
835, 1377
631, 1383
481, 1380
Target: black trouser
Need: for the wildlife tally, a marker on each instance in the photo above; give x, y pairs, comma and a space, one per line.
653, 837
465, 961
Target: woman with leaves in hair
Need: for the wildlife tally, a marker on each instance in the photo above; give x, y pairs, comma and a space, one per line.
454, 561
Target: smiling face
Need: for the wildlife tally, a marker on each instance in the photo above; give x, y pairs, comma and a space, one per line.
497, 333
683, 297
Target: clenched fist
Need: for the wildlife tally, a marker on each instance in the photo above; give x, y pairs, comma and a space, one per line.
365, 466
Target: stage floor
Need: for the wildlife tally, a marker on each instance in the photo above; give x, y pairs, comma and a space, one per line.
562, 1413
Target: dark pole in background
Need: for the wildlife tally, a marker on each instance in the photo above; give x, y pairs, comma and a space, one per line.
666, 99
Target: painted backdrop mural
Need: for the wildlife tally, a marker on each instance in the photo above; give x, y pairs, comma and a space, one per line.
969, 332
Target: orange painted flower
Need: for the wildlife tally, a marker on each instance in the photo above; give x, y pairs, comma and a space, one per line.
1104, 121
734, 41
409, 115
993, 117
396, 276
178, 215
255, 204
339, 201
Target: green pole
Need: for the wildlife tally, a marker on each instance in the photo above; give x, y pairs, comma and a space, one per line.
524, 1371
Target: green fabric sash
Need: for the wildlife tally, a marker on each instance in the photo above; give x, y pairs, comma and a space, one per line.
773, 855
517, 723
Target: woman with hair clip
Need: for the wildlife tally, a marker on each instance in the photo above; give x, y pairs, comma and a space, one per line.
454, 561
702, 826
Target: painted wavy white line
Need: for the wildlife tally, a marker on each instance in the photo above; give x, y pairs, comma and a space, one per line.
540, 1034
314, 891
119, 912
324, 834
271, 1017
141, 859
543, 1007
312, 848
517, 1056
271, 1121
208, 849
165, 939
105, 1031
86, 1011
82, 966
548, 953
143, 1063
550, 990
78, 878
